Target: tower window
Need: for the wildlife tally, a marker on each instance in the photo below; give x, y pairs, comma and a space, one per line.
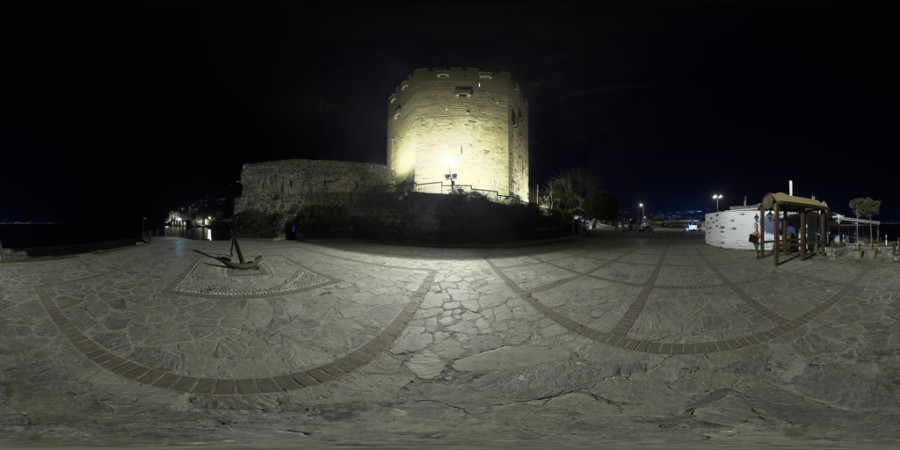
443, 75
397, 112
463, 91
485, 75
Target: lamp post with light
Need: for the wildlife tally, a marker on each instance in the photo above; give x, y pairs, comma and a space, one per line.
450, 175
642, 212
716, 198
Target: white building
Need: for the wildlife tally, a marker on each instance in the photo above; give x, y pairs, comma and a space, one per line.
732, 228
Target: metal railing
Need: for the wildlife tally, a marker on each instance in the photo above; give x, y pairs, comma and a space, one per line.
438, 187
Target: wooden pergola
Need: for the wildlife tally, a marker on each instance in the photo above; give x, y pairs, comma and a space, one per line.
781, 204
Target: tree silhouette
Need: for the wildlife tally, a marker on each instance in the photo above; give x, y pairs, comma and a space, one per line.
866, 207
601, 205
570, 187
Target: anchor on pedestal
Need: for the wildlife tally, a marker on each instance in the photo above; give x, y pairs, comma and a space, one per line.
241, 264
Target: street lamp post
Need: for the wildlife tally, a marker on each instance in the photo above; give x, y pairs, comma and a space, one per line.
642, 212
450, 175
716, 198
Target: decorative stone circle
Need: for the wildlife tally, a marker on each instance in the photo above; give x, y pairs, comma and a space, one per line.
277, 275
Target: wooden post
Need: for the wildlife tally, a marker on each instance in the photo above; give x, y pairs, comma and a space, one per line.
785, 242
802, 235
775, 248
823, 238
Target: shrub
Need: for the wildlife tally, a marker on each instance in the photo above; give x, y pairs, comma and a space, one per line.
454, 218
415, 217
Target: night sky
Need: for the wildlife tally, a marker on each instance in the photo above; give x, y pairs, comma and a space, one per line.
113, 110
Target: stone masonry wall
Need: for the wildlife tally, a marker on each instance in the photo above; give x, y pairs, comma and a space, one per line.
477, 119
281, 186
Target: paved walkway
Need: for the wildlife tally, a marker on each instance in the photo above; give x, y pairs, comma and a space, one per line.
164, 318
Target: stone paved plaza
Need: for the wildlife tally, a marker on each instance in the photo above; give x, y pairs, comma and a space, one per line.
595, 341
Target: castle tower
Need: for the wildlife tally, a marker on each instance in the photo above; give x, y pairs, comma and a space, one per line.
465, 120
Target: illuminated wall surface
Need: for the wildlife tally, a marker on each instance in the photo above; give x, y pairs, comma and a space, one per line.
731, 228
465, 120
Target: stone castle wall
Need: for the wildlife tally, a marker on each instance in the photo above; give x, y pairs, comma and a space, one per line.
477, 119
283, 186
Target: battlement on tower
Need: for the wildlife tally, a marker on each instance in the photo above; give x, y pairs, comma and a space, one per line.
469, 121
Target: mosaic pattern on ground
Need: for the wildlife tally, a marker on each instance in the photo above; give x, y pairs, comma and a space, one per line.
276, 276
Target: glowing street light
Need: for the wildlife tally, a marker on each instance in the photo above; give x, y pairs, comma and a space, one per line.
716, 198
642, 211
448, 160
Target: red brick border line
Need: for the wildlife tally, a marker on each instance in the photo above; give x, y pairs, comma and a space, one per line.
517, 289
590, 273
231, 386
587, 273
618, 338
770, 315
627, 320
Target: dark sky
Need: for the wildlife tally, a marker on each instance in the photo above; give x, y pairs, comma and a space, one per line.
110, 110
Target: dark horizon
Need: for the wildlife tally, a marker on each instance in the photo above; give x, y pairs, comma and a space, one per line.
112, 111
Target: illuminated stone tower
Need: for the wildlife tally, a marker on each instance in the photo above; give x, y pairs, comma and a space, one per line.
469, 121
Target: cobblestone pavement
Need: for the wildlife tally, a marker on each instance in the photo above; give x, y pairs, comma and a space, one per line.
623, 340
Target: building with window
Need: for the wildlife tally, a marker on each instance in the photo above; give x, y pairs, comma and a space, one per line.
464, 121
